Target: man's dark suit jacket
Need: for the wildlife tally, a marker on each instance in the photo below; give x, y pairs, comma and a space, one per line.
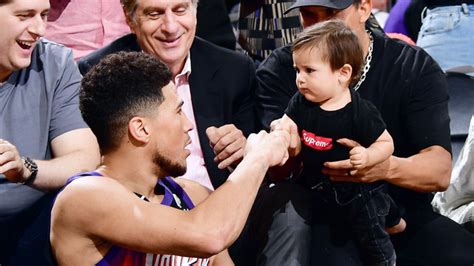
222, 86
213, 23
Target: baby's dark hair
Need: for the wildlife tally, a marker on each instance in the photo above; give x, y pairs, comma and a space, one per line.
119, 87
337, 44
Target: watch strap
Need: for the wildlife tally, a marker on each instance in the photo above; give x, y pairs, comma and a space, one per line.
32, 167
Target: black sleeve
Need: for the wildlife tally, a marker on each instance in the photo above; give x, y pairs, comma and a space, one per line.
426, 118
369, 124
244, 117
276, 85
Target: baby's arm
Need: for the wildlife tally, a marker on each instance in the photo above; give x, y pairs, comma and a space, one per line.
377, 152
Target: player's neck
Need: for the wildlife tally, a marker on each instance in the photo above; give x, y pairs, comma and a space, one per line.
133, 172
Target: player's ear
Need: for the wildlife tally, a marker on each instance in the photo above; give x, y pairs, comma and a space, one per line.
138, 130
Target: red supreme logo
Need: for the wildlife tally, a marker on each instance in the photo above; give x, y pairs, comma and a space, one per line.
316, 142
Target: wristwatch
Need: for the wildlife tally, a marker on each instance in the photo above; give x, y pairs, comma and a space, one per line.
32, 167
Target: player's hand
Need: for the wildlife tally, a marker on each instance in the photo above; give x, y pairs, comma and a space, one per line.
274, 124
11, 164
272, 146
228, 143
287, 124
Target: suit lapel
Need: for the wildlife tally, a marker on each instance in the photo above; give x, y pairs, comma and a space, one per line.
206, 96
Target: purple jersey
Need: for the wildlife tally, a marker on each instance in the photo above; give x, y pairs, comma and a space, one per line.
174, 196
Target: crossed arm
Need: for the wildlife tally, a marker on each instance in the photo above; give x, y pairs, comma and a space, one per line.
73, 152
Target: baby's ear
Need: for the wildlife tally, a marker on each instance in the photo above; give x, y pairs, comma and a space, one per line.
345, 73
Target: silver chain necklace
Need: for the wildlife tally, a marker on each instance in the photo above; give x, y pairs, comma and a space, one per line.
368, 59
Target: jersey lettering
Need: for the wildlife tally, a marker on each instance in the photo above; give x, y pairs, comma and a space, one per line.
316, 142
172, 260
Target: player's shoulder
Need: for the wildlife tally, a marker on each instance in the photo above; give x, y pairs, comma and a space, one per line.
195, 191
82, 192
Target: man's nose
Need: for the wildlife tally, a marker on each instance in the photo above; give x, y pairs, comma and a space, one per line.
37, 26
188, 125
170, 23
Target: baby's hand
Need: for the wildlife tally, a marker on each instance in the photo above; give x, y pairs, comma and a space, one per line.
287, 124
359, 157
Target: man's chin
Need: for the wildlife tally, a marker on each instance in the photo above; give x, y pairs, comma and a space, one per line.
176, 171
20, 63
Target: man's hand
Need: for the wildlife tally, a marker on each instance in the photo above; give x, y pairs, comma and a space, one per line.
228, 143
11, 164
274, 146
345, 171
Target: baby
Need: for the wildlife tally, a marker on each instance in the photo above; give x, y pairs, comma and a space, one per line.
327, 114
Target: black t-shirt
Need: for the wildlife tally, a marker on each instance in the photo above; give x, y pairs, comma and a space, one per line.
319, 130
405, 84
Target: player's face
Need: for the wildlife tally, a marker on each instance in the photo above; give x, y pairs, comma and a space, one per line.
314, 77
22, 22
171, 127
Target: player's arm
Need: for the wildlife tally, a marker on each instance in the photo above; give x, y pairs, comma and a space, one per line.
278, 173
222, 259
102, 208
199, 193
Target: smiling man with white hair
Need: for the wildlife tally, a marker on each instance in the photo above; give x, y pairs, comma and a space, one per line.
216, 84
